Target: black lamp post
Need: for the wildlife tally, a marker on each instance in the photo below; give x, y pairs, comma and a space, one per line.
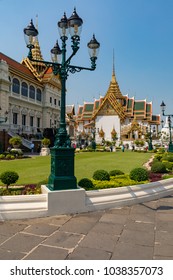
93, 130
62, 154
162, 122
150, 144
170, 147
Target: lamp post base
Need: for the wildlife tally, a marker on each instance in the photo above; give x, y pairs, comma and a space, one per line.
62, 169
170, 148
150, 147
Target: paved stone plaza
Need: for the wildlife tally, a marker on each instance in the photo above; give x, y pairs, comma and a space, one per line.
142, 232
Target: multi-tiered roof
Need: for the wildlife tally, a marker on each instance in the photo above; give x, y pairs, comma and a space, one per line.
116, 103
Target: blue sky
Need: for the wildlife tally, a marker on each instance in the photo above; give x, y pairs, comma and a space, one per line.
139, 31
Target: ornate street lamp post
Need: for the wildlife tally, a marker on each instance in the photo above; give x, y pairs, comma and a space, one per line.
62, 154
163, 106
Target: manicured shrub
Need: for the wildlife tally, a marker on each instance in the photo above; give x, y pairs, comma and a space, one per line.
9, 177
85, 183
8, 156
158, 157
139, 174
168, 165
101, 175
170, 158
2, 156
158, 167
116, 172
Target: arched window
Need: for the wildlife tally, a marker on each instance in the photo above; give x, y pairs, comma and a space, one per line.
32, 92
16, 86
39, 97
24, 89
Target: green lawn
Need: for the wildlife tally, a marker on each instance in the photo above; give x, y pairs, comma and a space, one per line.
36, 169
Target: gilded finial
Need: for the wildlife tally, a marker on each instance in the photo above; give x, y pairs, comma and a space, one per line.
113, 70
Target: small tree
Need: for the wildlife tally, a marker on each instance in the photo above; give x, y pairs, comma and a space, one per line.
45, 142
15, 141
9, 177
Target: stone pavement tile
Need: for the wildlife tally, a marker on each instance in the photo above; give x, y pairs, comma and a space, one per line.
139, 226
64, 239
8, 255
142, 209
162, 258
82, 253
167, 202
145, 218
8, 228
164, 226
164, 237
163, 208
41, 229
81, 223
128, 251
164, 216
3, 238
55, 220
151, 204
22, 242
99, 241
163, 250
108, 228
137, 237
113, 218
121, 211
47, 253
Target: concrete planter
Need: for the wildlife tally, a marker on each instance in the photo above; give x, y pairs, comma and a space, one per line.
77, 201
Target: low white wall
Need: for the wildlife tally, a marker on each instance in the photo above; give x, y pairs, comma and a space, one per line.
78, 200
23, 206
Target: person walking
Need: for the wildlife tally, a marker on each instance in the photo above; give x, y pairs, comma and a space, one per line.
32, 148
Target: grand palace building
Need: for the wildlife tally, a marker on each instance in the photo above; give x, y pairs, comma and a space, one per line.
29, 97
116, 116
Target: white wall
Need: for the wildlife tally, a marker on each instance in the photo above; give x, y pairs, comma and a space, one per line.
107, 123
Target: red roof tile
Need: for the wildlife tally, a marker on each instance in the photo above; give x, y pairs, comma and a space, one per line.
16, 65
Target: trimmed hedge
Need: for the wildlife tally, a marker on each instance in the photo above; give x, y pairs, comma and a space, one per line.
116, 172
85, 183
139, 174
158, 167
101, 175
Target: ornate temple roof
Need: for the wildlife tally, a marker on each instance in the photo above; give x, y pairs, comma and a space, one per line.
114, 103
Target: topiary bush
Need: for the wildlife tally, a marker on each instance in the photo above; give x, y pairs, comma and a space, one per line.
101, 175
167, 157
86, 183
158, 157
168, 165
2, 156
139, 174
116, 172
158, 167
9, 177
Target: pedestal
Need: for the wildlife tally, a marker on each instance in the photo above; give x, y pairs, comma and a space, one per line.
62, 169
170, 148
44, 151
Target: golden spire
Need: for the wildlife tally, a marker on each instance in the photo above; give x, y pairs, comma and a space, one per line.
113, 69
36, 54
